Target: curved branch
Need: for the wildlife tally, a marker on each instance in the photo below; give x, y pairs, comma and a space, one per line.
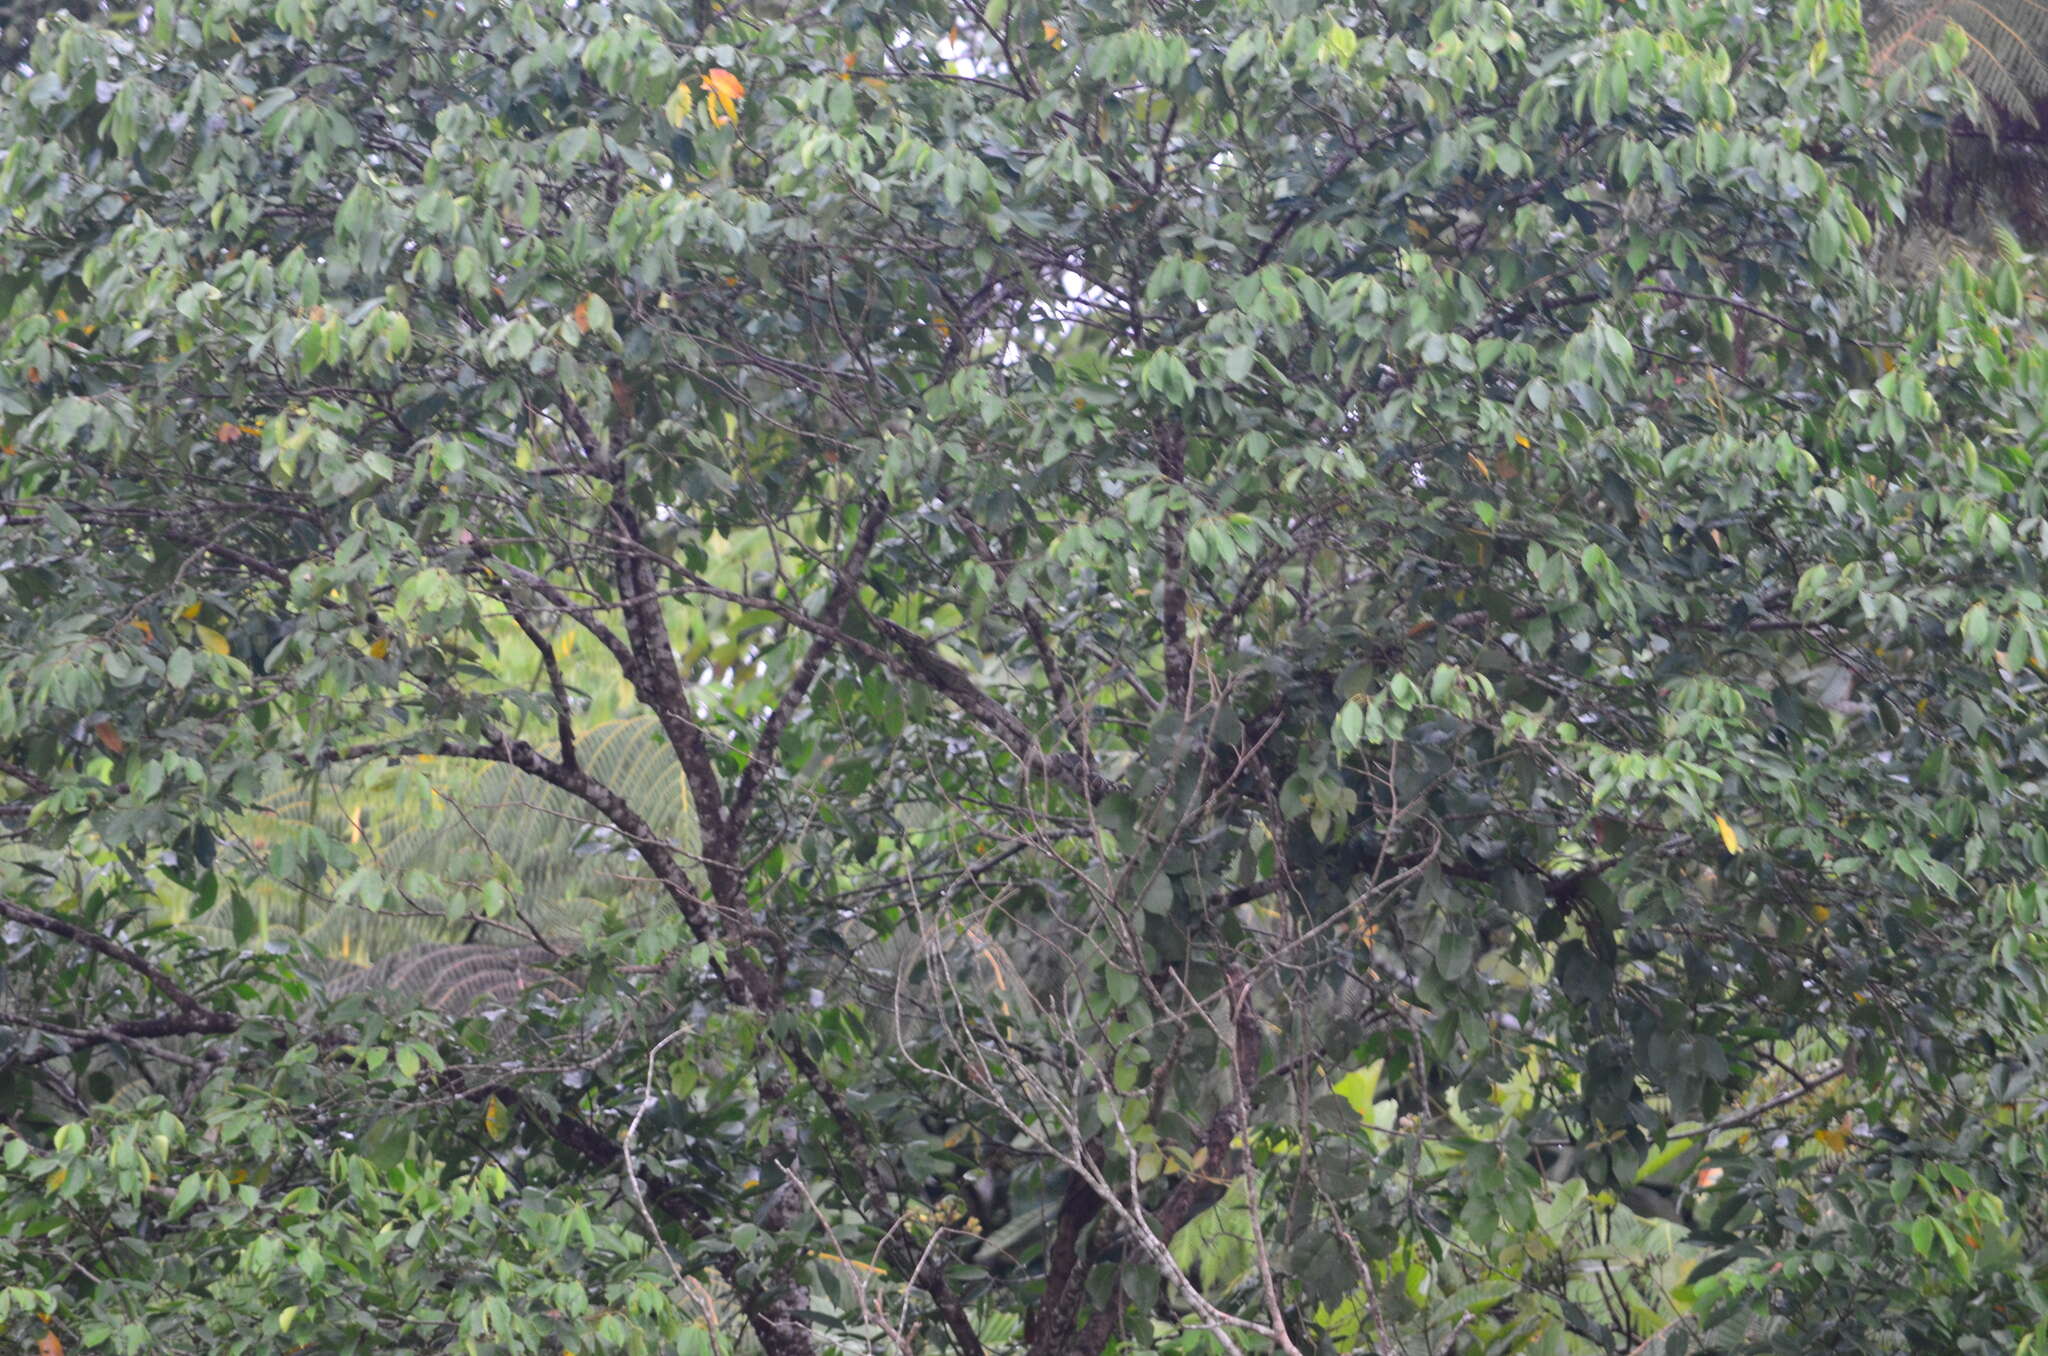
200, 1018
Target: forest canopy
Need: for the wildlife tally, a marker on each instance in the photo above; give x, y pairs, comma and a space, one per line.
1211, 678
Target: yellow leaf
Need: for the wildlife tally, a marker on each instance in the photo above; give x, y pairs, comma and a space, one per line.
1728, 838
1520, 441
190, 613
56, 1182
725, 91
380, 647
679, 103
1820, 913
212, 640
854, 1262
497, 1120
1834, 1138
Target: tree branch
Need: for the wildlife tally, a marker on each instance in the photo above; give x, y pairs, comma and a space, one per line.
761, 759
565, 726
1171, 441
744, 981
201, 1018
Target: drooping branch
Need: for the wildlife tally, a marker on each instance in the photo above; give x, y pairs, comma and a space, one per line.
201, 1018
136, 1033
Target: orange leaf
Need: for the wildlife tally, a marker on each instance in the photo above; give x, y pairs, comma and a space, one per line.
583, 316
1052, 31
726, 91
148, 631
48, 1345
227, 433
110, 737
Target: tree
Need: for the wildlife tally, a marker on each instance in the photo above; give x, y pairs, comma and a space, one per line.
1344, 680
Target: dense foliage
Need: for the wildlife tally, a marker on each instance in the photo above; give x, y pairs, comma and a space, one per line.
1207, 678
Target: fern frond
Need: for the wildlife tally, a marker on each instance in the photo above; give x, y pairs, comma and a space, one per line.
453, 979
2007, 59
477, 823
